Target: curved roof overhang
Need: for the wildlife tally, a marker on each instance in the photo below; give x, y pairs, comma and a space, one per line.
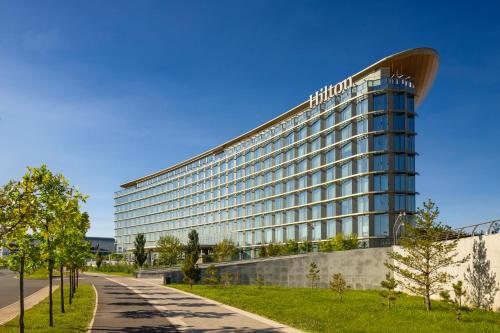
420, 64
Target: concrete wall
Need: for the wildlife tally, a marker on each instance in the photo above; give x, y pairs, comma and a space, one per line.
362, 269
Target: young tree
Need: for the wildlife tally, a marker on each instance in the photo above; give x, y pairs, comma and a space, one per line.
225, 250
226, 279
98, 259
211, 277
422, 261
313, 275
390, 293
139, 252
260, 281
457, 302
190, 267
170, 250
338, 285
18, 210
482, 282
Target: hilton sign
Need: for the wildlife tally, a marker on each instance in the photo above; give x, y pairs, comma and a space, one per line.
327, 92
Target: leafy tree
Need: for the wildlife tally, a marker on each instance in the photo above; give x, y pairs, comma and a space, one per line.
338, 285
18, 210
482, 282
170, 250
259, 280
139, 252
340, 243
313, 275
422, 261
390, 293
211, 277
225, 250
98, 259
262, 251
291, 247
305, 247
457, 302
190, 267
226, 279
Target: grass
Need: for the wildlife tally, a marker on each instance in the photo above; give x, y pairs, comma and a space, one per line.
42, 274
319, 310
111, 273
76, 318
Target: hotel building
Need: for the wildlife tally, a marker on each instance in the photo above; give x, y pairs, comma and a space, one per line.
343, 161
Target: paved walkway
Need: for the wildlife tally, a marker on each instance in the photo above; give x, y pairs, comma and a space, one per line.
9, 287
140, 305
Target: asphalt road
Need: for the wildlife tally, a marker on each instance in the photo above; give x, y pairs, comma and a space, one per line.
9, 287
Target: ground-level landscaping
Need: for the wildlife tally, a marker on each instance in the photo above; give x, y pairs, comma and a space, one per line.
319, 310
76, 318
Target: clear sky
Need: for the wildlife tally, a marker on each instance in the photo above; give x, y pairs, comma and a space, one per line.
109, 91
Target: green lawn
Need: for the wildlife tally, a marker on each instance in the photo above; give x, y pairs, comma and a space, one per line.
76, 318
112, 273
318, 310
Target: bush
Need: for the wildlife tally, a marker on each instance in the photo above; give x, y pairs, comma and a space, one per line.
340, 243
291, 247
119, 268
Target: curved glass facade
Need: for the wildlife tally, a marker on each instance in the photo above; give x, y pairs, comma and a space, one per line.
345, 166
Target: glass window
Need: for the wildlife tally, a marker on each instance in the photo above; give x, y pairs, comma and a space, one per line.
330, 174
379, 102
363, 184
316, 212
363, 204
399, 142
399, 183
302, 149
381, 202
346, 206
316, 178
290, 232
380, 183
380, 163
410, 203
347, 226
330, 120
399, 202
345, 113
380, 142
381, 223
330, 156
303, 216
303, 198
362, 126
410, 143
346, 150
346, 132
362, 145
316, 144
303, 231
346, 169
302, 165
398, 101
316, 161
411, 124
331, 228
316, 231
331, 209
315, 127
290, 138
411, 184
302, 133
347, 187
362, 106
363, 165
410, 107
316, 194
399, 162
331, 191
363, 226
411, 163
380, 122
329, 139
303, 181
398, 121
278, 235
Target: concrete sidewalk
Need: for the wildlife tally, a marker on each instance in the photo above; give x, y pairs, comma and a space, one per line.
10, 312
167, 310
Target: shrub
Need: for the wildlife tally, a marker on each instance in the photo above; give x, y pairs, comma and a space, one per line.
225, 250
291, 247
259, 280
226, 279
390, 293
262, 251
338, 285
211, 276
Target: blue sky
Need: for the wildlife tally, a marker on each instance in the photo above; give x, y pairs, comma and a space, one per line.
108, 91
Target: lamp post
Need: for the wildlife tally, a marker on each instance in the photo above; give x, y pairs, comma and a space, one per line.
396, 226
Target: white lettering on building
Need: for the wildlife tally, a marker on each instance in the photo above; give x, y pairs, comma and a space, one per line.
327, 92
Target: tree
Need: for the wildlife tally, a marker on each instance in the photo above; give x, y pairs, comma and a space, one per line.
340, 242
226, 279
390, 293
139, 252
98, 259
313, 275
225, 250
421, 263
259, 280
170, 250
18, 210
457, 302
190, 267
338, 285
482, 282
211, 277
